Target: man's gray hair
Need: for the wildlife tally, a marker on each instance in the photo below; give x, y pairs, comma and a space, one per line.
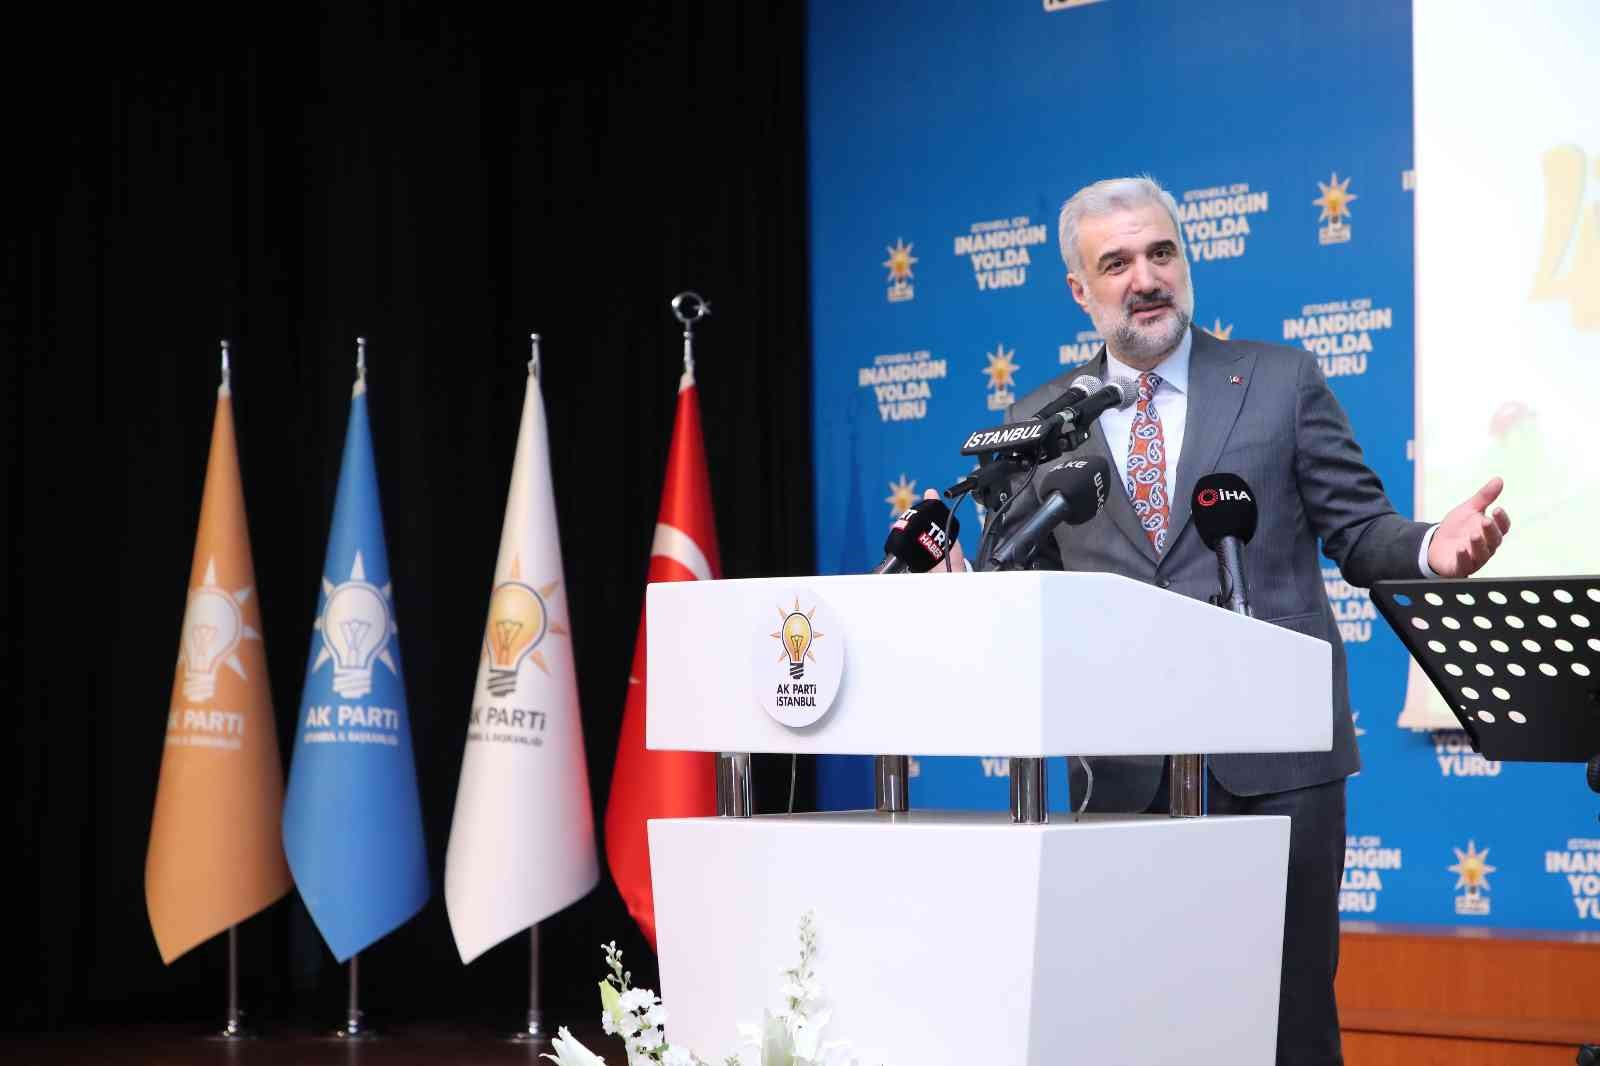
1104, 197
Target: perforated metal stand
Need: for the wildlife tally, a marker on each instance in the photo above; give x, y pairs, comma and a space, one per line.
1517, 659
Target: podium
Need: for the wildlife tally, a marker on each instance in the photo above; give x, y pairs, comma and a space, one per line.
959, 937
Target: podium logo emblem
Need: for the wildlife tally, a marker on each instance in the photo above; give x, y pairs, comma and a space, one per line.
1472, 872
797, 682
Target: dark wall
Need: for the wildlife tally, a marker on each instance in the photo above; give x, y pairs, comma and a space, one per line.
442, 182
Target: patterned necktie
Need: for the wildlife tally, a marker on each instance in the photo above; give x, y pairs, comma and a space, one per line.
1147, 465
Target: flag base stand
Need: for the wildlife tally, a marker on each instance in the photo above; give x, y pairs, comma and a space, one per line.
534, 1033
233, 1027
355, 1029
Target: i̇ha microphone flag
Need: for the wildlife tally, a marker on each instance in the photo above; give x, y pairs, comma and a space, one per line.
216, 855
663, 784
522, 843
352, 820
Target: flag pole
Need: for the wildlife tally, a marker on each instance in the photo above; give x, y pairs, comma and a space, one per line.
533, 1030
355, 1027
689, 308
233, 1022
735, 791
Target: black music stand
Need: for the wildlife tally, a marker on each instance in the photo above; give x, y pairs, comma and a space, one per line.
1517, 660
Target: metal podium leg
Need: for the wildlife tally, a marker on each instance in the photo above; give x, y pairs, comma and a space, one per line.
1028, 801
735, 796
1186, 793
891, 786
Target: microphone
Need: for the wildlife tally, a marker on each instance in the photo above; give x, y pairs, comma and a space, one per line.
1064, 414
1224, 512
1083, 386
1072, 491
1118, 394
918, 541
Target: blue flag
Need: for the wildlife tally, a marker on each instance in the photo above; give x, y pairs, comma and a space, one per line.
352, 818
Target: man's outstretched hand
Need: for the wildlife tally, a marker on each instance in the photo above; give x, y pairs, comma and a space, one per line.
1469, 534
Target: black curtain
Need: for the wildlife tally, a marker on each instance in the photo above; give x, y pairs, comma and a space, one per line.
443, 181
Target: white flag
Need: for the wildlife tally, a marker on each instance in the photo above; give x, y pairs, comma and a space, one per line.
522, 843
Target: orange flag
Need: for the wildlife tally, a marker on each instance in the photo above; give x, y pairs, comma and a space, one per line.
664, 784
216, 850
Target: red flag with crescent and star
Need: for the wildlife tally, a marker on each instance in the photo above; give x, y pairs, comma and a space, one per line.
663, 784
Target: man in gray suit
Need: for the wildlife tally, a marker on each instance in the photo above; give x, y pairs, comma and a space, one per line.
1263, 412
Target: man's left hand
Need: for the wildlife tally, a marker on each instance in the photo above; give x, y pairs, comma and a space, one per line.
1469, 534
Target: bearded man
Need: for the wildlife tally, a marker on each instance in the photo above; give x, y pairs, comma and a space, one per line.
1263, 412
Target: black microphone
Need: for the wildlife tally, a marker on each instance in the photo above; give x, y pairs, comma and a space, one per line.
919, 539
1073, 411
1071, 491
1224, 512
1123, 392
1083, 386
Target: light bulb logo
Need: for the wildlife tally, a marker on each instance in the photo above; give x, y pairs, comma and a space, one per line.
518, 622
356, 626
213, 625
797, 635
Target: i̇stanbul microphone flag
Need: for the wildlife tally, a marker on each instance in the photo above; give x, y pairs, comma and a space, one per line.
352, 820
522, 842
663, 784
215, 855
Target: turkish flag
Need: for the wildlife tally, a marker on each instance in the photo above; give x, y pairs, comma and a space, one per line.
663, 784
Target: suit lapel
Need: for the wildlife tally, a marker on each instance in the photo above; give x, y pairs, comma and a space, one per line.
1118, 507
1213, 407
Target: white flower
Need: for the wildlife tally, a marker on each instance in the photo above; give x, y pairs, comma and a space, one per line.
636, 999
807, 1036
777, 1046
656, 1016
571, 1053
678, 1056
608, 1023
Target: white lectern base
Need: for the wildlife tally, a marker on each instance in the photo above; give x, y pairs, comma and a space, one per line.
955, 938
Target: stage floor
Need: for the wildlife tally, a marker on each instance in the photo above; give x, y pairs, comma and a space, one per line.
400, 1046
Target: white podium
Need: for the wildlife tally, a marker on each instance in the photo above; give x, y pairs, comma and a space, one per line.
960, 937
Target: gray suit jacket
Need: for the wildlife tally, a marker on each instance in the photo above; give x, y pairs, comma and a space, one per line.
1282, 430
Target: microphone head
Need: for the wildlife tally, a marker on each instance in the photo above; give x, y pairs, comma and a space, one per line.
1082, 481
922, 536
1082, 387
1085, 384
1223, 506
1128, 390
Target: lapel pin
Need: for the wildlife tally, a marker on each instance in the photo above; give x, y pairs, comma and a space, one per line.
1236, 380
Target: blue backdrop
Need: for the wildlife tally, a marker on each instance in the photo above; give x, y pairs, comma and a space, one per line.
944, 137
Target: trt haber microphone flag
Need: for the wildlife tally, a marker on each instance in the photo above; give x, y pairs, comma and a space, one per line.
522, 843
352, 821
663, 784
216, 853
